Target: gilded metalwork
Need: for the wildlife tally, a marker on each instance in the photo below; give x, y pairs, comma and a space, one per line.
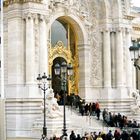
59, 50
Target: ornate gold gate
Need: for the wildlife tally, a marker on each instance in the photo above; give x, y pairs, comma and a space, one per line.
59, 50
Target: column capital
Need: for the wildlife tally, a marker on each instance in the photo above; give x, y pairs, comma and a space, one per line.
42, 17
113, 30
106, 29
28, 16
119, 29
128, 30
36, 18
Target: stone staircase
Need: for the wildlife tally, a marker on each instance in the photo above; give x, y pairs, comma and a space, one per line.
117, 106
74, 121
22, 114
85, 123
120, 106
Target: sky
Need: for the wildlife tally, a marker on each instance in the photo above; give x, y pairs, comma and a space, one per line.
136, 2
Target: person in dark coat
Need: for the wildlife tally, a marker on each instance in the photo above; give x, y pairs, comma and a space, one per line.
117, 135
134, 135
98, 113
124, 135
72, 135
78, 137
109, 135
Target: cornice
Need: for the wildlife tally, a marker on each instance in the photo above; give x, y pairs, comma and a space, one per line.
136, 28
9, 2
129, 17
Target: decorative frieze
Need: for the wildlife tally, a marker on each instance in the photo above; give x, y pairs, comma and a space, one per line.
129, 17
136, 28
9, 2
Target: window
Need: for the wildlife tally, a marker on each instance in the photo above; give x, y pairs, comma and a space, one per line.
59, 32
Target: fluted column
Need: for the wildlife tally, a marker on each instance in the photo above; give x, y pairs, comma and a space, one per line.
107, 58
43, 59
113, 58
119, 58
128, 60
30, 50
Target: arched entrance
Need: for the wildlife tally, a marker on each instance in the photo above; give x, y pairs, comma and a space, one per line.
63, 47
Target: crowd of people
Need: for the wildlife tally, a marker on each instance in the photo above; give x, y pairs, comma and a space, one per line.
110, 135
118, 120
93, 109
109, 118
75, 101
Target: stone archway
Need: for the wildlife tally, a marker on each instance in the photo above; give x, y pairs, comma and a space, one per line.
59, 50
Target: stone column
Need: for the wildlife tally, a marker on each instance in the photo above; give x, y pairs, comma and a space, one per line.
107, 58
128, 60
113, 59
15, 51
119, 58
43, 54
84, 69
30, 50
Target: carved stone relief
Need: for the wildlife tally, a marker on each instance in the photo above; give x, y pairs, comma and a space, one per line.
93, 33
87, 12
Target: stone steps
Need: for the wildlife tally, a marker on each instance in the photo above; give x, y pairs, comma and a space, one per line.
120, 106
117, 105
22, 114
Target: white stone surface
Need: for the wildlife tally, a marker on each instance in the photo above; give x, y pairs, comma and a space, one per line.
2, 120
107, 58
27, 28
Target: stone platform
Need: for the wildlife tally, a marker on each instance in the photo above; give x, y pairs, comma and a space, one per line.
54, 126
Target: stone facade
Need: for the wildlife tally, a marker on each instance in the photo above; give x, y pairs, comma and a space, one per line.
98, 34
104, 30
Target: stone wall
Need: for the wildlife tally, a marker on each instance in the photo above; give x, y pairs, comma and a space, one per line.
2, 120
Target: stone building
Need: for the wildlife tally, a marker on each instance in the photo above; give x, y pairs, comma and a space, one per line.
93, 35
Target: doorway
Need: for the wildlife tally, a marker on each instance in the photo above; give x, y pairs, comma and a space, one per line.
56, 79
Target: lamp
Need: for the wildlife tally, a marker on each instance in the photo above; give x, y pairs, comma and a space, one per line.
64, 70
42, 81
134, 51
135, 54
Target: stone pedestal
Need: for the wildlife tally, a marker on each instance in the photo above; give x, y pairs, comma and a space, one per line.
54, 126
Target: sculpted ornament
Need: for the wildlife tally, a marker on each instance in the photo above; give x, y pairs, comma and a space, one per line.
94, 40
52, 107
87, 12
135, 108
